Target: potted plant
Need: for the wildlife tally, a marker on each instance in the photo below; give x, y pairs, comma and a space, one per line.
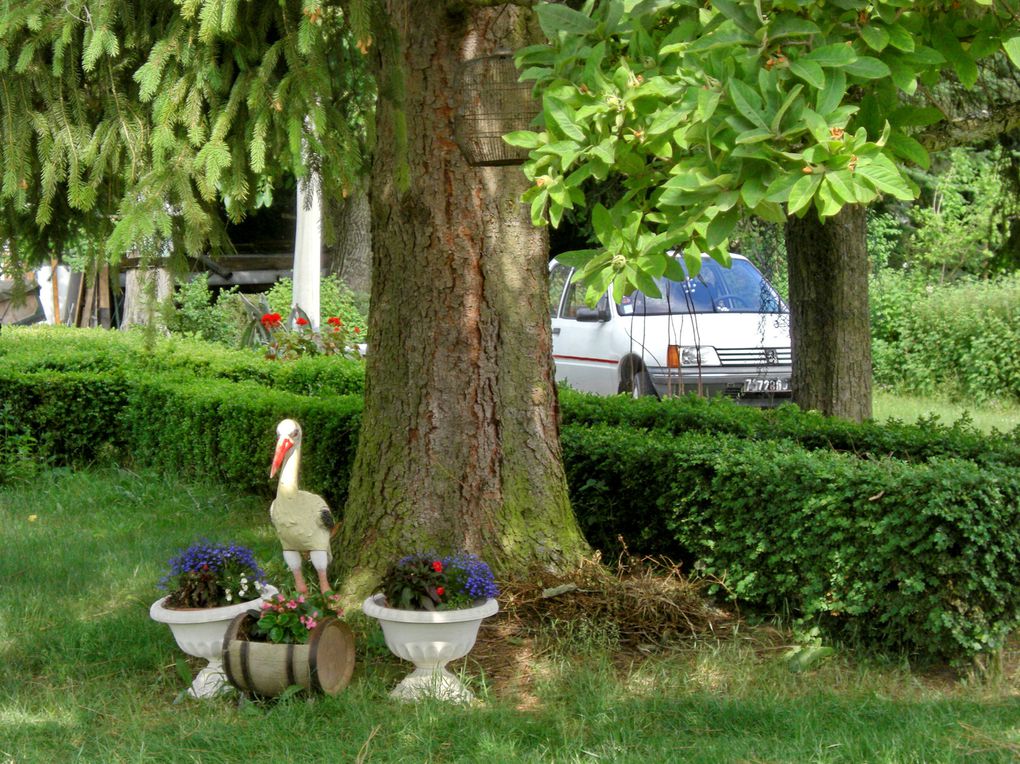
209, 584
430, 608
291, 639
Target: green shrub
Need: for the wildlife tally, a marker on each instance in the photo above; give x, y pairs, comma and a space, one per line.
919, 552
335, 299
196, 310
927, 439
958, 339
58, 348
916, 557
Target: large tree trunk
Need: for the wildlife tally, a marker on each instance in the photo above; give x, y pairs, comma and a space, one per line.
829, 317
459, 444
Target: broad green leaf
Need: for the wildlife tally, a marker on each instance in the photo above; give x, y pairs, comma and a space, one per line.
752, 191
809, 71
722, 226
906, 147
770, 212
665, 120
788, 25
708, 100
556, 18
747, 101
900, 38
1012, 48
867, 67
816, 124
826, 202
757, 135
577, 258
802, 192
840, 183
916, 116
524, 139
875, 36
884, 176
739, 14
833, 94
562, 117
779, 189
792, 96
949, 46
838, 54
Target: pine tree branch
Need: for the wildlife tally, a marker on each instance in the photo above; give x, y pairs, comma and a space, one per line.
973, 129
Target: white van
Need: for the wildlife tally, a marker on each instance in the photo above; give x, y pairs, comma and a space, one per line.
724, 332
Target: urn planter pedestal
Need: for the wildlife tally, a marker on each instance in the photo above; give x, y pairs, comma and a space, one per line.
199, 633
429, 639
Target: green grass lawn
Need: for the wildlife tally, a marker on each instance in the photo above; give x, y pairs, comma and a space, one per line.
1001, 416
85, 676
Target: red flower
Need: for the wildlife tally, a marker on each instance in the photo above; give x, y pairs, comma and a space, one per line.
357, 330
440, 590
301, 321
334, 321
437, 566
270, 319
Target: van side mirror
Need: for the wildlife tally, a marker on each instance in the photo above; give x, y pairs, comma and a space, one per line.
592, 315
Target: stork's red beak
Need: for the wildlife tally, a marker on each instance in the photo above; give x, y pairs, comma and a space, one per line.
283, 445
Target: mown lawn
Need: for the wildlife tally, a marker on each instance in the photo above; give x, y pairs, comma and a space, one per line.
85, 676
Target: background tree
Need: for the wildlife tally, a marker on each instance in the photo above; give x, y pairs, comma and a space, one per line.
795, 111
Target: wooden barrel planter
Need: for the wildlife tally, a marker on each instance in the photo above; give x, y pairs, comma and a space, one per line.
324, 664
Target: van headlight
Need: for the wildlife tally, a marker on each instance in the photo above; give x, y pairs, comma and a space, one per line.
679, 355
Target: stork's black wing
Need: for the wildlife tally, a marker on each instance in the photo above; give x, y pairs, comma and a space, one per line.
326, 518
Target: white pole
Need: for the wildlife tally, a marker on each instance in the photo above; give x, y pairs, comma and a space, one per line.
308, 249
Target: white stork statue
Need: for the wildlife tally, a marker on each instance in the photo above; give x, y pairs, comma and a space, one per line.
302, 519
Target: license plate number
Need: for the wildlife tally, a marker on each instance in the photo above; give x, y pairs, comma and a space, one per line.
766, 386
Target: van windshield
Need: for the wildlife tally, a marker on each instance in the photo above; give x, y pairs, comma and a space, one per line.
738, 289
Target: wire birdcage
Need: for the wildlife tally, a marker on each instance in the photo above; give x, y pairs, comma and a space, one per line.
492, 103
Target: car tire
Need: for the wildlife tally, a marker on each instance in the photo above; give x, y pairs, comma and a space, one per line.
641, 385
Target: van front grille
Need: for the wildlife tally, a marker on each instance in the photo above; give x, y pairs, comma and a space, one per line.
755, 356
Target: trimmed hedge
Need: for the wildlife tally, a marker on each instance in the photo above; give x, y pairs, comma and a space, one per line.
928, 439
56, 348
920, 554
917, 556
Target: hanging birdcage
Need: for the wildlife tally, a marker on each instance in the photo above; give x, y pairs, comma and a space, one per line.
492, 103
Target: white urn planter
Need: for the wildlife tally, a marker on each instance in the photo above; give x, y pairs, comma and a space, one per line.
199, 633
429, 639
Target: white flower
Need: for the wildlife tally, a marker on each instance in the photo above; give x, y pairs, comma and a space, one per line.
230, 597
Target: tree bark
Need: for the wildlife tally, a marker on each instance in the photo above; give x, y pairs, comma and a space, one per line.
350, 257
829, 317
459, 444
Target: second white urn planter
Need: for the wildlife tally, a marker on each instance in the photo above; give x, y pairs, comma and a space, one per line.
429, 639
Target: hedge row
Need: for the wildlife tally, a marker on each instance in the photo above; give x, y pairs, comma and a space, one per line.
928, 439
916, 555
41, 348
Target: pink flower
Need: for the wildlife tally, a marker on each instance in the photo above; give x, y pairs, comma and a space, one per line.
292, 605
301, 598
266, 605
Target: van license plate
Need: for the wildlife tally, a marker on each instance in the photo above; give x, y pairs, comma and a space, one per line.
766, 386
